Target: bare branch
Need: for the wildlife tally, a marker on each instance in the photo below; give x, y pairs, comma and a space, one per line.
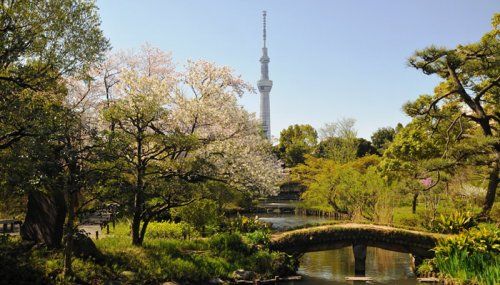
450, 127
436, 101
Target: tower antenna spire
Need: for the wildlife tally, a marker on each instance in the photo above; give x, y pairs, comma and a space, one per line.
264, 26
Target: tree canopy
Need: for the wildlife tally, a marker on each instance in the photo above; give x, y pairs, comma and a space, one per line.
382, 137
464, 109
40, 42
295, 142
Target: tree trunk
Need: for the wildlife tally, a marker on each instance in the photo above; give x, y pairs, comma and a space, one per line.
143, 230
414, 203
139, 195
136, 220
138, 211
69, 235
492, 188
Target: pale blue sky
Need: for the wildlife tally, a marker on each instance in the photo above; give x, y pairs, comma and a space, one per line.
329, 59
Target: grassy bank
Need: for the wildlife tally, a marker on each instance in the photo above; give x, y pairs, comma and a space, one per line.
164, 256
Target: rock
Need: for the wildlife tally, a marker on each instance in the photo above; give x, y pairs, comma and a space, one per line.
128, 274
216, 281
84, 247
241, 274
44, 219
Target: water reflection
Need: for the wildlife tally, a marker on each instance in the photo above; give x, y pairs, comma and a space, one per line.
284, 221
332, 266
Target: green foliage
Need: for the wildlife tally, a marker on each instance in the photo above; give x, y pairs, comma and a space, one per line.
355, 189
453, 223
232, 247
403, 216
14, 263
47, 46
229, 245
169, 230
411, 145
415, 160
41, 41
344, 150
364, 148
382, 137
244, 224
40, 37
258, 237
484, 240
161, 258
295, 142
462, 114
473, 257
339, 142
270, 264
200, 214
166, 261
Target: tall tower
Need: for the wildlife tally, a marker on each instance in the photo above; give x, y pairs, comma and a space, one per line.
265, 86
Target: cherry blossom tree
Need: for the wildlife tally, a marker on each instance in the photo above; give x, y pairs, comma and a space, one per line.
177, 130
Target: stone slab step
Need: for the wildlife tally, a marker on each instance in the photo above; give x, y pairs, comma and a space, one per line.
428, 280
358, 278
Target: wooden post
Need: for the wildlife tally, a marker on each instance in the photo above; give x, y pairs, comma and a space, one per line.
4, 228
12, 226
107, 229
96, 235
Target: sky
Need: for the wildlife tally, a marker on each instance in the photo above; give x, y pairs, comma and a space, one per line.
329, 59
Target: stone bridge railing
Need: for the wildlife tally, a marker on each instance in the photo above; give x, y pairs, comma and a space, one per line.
318, 238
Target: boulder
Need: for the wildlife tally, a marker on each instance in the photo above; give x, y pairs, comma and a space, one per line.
44, 219
241, 274
84, 247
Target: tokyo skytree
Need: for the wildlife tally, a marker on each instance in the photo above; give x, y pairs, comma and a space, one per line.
265, 85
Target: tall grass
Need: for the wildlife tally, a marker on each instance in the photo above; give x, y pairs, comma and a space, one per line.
472, 257
165, 256
469, 268
168, 255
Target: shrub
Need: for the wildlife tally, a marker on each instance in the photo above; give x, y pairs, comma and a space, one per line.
18, 265
201, 215
269, 264
484, 240
453, 223
167, 230
284, 264
471, 257
259, 237
229, 245
245, 224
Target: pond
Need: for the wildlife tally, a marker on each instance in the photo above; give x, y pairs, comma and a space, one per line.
332, 266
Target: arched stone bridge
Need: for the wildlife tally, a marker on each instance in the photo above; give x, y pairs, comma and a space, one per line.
359, 236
